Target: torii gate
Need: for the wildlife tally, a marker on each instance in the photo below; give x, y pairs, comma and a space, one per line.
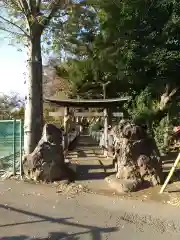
87, 103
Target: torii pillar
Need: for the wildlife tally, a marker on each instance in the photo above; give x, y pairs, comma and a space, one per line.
106, 131
66, 121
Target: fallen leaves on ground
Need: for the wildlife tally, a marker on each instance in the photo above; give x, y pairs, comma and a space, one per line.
174, 201
71, 190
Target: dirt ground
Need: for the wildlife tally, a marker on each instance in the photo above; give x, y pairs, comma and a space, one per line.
88, 208
37, 211
93, 167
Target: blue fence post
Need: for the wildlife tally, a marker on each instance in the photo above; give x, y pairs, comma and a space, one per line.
14, 147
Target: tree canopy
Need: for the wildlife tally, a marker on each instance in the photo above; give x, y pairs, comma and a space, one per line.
132, 44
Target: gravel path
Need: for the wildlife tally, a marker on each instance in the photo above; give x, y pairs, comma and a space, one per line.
37, 211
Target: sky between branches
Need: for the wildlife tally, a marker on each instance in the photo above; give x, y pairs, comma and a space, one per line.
12, 68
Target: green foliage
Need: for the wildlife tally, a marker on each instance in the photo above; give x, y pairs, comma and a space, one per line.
19, 113
132, 44
163, 133
96, 126
144, 110
76, 33
142, 107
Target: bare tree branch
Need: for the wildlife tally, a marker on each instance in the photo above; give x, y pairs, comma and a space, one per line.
26, 8
166, 97
47, 20
54, 5
173, 92
7, 4
19, 4
23, 10
33, 7
38, 3
9, 31
15, 25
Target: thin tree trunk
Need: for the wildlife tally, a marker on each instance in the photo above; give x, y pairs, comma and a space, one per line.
34, 103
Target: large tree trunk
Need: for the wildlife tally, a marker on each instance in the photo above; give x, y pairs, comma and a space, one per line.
34, 102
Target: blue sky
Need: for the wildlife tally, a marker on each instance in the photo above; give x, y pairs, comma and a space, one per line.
12, 68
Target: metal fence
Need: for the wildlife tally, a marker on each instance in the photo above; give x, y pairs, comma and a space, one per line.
11, 146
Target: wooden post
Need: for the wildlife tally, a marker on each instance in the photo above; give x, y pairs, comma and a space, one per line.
77, 120
104, 86
110, 116
105, 131
66, 118
166, 134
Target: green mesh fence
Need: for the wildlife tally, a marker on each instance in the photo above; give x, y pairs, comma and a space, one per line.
11, 143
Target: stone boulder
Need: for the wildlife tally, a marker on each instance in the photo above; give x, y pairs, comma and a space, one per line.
46, 162
136, 157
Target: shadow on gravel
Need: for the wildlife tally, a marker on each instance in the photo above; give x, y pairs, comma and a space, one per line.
94, 231
51, 236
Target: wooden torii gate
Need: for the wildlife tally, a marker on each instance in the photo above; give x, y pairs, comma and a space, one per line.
105, 104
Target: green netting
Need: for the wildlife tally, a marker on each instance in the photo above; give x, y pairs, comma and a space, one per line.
11, 142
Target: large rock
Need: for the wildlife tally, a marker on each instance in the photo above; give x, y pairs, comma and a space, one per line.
137, 156
46, 162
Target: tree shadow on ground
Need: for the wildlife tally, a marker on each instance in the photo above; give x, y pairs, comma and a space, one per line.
57, 236
95, 232
84, 173
51, 236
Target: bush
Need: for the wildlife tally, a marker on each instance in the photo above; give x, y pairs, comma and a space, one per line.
162, 134
143, 110
95, 126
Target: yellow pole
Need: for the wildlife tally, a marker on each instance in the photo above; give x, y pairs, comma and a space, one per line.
170, 174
